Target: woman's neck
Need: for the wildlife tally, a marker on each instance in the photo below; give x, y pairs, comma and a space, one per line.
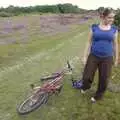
104, 24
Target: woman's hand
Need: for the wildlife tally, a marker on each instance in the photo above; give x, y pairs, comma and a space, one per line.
84, 60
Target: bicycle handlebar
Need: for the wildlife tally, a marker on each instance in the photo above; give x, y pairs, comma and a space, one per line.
57, 74
69, 66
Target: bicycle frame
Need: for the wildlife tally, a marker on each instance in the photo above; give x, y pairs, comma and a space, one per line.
52, 85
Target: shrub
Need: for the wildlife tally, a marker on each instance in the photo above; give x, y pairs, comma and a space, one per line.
5, 14
117, 20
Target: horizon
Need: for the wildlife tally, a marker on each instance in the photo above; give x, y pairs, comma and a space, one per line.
88, 5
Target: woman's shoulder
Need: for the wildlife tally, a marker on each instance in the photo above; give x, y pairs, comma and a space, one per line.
114, 28
94, 27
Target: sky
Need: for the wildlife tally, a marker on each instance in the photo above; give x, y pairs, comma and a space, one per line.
85, 4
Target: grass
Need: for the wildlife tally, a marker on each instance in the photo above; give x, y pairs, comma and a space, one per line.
36, 44
43, 55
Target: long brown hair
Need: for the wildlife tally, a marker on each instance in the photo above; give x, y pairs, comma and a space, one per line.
106, 11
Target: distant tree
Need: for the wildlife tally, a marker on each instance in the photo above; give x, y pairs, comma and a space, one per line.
117, 19
5, 14
60, 8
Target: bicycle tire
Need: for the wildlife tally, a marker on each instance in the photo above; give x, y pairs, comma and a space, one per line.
43, 98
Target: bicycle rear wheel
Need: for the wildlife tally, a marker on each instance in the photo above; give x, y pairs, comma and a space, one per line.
31, 103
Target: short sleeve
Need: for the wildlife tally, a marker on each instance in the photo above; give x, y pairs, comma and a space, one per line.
93, 27
115, 28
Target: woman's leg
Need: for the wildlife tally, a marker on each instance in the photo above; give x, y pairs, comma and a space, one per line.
89, 71
104, 68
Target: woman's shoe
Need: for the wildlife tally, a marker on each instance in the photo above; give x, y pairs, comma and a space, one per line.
82, 91
93, 100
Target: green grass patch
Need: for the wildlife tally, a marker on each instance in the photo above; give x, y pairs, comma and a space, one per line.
43, 55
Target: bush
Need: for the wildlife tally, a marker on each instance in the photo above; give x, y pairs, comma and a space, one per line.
59, 8
5, 14
117, 20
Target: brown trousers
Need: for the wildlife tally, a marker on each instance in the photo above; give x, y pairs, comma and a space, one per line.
104, 66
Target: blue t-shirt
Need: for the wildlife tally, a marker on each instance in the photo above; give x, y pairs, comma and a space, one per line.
102, 41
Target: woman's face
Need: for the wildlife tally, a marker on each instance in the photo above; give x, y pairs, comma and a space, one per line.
109, 19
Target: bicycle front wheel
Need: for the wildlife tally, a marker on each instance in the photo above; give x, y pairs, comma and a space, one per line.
32, 103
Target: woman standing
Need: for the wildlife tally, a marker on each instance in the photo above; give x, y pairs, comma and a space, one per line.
101, 50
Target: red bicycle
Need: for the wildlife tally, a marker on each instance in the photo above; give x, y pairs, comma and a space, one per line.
40, 94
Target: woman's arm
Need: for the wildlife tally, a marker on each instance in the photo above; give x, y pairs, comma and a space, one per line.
116, 50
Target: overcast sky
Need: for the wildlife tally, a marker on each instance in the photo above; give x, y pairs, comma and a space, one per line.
87, 4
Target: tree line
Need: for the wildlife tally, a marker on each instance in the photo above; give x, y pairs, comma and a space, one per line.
59, 8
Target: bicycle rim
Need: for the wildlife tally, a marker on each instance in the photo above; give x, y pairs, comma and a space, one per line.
29, 104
